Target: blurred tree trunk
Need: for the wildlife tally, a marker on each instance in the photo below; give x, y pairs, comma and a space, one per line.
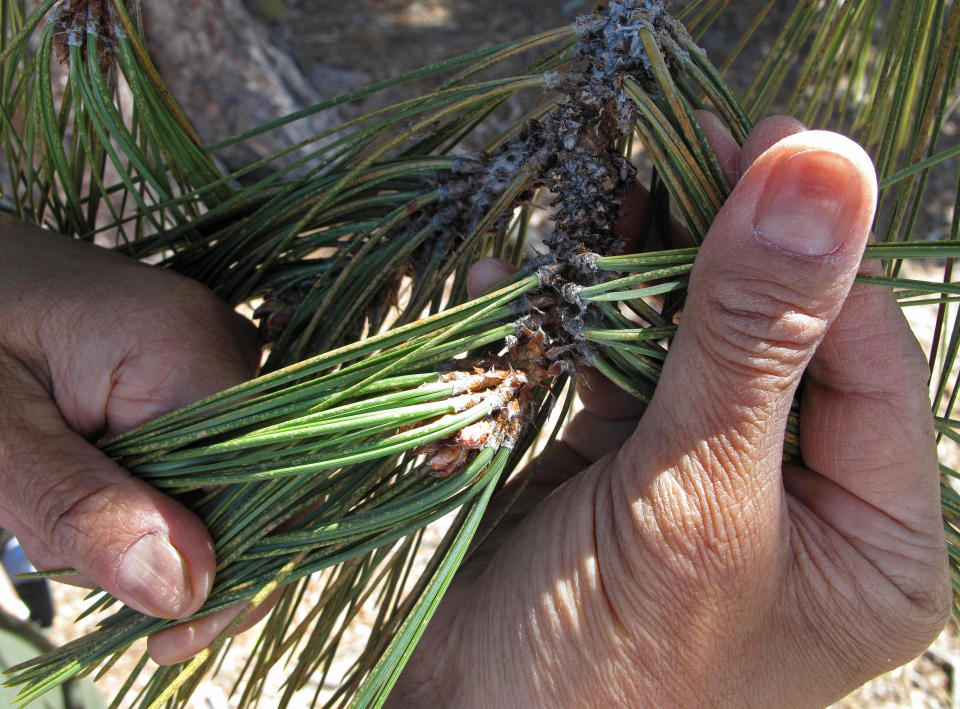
222, 65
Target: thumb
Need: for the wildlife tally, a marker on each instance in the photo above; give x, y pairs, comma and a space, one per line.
72, 507
771, 275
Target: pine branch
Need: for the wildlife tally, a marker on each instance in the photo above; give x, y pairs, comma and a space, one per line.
390, 400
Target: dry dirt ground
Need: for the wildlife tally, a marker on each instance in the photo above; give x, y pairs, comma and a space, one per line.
341, 44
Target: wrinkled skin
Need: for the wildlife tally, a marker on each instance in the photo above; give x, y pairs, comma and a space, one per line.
667, 559
92, 343
670, 559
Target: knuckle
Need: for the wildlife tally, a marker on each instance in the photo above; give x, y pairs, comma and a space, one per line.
879, 616
930, 594
195, 299
903, 635
199, 318
66, 509
757, 327
184, 333
907, 620
171, 297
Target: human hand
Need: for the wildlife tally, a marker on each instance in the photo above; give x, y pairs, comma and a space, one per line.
91, 344
689, 566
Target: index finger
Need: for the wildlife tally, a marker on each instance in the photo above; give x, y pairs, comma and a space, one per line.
867, 387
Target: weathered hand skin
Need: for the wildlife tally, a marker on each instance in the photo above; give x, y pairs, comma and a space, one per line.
91, 344
685, 565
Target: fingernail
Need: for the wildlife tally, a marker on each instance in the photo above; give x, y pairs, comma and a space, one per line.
155, 577
810, 203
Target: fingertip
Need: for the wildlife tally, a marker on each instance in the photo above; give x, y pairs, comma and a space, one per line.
192, 541
487, 273
180, 643
819, 178
76, 508
139, 545
816, 187
168, 569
